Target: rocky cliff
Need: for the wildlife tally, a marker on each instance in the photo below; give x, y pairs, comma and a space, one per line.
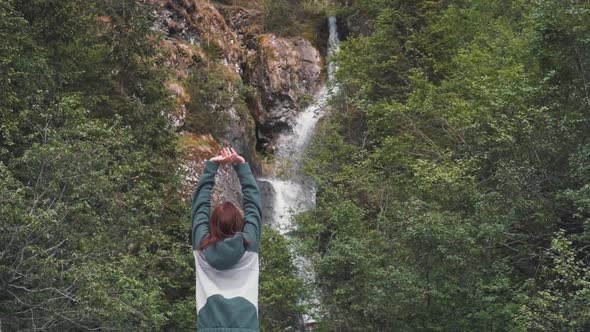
262, 81
286, 72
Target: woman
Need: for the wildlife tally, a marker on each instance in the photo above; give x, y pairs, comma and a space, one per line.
225, 246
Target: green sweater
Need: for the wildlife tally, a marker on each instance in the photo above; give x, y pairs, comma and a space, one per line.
227, 272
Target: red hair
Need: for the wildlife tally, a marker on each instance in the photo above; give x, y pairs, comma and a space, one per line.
225, 221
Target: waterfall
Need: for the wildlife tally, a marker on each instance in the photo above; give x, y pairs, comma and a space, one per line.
333, 48
292, 192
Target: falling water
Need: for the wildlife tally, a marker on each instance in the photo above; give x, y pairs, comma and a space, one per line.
291, 191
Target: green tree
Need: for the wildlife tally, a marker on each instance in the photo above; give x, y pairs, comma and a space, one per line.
562, 304
460, 137
93, 233
281, 289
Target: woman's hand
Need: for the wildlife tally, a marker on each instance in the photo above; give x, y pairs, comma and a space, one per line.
228, 155
236, 159
225, 157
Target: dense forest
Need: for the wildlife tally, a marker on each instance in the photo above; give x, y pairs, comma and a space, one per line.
453, 169
94, 229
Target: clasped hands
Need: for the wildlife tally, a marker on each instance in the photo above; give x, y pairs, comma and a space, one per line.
228, 155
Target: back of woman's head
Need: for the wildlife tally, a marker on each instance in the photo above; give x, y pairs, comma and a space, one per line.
225, 221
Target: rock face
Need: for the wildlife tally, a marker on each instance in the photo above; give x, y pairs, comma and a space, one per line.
267, 194
199, 23
278, 74
246, 22
287, 72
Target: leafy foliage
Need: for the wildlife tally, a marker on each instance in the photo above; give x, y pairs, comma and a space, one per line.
281, 289
306, 18
561, 304
459, 137
92, 232
93, 228
209, 102
453, 170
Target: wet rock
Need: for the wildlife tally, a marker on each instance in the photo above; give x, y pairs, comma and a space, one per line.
284, 70
267, 194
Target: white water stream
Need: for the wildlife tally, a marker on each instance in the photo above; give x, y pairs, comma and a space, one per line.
293, 192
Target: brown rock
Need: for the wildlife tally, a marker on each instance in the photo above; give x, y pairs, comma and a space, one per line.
283, 69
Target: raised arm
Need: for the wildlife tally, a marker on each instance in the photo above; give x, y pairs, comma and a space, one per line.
202, 203
251, 205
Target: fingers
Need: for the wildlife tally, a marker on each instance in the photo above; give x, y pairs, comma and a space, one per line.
228, 154
225, 151
237, 157
224, 155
